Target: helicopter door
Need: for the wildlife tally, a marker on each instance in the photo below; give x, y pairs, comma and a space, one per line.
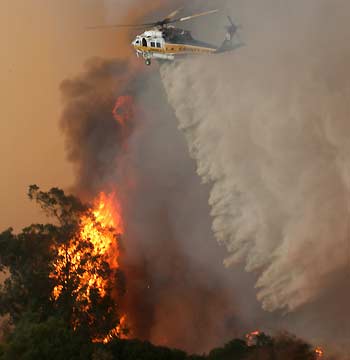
144, 42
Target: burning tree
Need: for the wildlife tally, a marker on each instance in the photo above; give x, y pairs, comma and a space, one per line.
66, 269
59, 291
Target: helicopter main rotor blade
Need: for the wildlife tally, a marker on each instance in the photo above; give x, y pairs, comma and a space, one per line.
172, 14
195, 16
121, 26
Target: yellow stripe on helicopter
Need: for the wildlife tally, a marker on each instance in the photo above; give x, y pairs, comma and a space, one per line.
176, 48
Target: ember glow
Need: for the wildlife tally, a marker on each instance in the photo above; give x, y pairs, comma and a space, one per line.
120, 331
319, 353
251, 337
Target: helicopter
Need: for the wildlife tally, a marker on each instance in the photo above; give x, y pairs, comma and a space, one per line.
164, 42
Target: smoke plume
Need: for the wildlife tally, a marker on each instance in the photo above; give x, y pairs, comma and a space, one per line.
268, 126
121, 135
89, 124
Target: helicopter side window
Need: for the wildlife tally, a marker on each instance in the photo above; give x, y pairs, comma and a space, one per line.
153, 44
144, 42
158, 45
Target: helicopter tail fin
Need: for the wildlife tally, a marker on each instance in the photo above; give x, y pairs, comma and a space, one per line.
231, 33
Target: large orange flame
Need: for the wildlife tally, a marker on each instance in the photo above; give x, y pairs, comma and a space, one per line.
107, 213
100, 229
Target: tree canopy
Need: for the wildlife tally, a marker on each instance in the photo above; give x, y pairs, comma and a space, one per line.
54, 270
58, 296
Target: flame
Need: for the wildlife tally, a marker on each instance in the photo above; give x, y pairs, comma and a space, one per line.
123, 110
107, 213
120, 331
319, 352
95, 243
253, 333
251, 337
100, 231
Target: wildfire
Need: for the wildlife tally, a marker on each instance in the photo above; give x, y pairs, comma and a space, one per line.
123, 110
80, 271
120, 331
101, 232
97, 229
251, 337
319, 353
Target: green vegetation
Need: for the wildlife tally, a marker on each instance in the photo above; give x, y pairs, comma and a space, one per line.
43, 326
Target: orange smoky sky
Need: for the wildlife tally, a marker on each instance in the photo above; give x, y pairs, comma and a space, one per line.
42, 43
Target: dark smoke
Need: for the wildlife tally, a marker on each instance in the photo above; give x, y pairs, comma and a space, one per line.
93, 137
177, 291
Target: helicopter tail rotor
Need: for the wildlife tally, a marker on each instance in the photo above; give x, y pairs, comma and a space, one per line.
231, 33
232, 28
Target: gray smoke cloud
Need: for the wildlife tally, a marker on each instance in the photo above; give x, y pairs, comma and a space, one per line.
268, 126
175, 296
179, 294
94, 138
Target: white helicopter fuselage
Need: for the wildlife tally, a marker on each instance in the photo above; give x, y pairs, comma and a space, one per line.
153, 44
